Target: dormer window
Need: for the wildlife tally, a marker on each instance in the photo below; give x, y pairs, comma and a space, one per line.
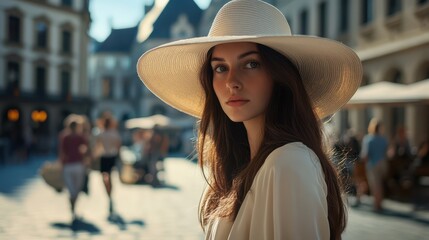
182, 28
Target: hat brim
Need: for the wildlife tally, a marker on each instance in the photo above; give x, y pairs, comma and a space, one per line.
331, 72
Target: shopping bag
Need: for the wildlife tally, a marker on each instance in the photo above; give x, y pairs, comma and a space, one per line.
85, 188
52, 173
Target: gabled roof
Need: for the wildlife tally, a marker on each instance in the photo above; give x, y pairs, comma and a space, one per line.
119, 41
170, 14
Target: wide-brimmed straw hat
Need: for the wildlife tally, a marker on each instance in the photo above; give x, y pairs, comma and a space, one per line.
331, 72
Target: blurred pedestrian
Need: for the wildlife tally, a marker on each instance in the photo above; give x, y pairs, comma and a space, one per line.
153, 153
261, 94
108, 144
374, 149
73, 147
400, 160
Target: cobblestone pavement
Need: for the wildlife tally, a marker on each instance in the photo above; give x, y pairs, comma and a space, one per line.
31, 210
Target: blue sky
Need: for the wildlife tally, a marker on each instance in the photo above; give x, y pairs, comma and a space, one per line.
119, 13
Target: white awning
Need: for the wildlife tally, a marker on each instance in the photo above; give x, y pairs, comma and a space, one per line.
382, 93
159, 120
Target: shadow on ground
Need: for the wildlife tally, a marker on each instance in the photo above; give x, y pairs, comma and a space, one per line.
407, 215
116, 219
15, 176
78, 225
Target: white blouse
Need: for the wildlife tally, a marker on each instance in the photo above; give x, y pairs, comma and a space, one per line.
287, 200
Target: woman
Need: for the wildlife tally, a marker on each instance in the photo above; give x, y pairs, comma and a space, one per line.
261, 94
109, 141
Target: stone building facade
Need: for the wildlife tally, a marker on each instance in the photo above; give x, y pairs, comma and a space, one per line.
43, 70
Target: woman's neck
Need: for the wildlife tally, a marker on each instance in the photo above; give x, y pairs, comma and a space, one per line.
255, 133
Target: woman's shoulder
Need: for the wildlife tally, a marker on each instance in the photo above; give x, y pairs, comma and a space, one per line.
292, 157
292, 162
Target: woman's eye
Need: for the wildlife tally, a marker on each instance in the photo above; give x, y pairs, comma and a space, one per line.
219, 69
252, 64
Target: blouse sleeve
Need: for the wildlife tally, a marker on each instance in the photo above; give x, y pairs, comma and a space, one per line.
290, 196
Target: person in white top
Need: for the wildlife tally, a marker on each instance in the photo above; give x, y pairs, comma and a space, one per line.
108, 143
261, 94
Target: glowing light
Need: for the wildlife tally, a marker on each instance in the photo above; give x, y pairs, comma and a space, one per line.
13, 115
39, 116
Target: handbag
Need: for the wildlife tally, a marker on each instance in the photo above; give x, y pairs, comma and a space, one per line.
52, 173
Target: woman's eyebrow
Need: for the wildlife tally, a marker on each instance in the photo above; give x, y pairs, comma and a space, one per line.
243, 55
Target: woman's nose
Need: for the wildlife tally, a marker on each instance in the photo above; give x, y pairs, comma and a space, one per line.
233, 82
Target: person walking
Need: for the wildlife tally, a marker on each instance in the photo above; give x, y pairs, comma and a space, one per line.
73, 147
153, 153
261, 94
373, 153
108, 144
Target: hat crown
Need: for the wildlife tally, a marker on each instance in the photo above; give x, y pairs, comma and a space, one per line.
249, 18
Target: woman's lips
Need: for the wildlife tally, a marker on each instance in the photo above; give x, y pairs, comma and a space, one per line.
237, 102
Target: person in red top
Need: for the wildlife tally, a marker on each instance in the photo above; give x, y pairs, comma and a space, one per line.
73, 147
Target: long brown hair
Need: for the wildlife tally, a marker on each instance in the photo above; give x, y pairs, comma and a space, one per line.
224, 150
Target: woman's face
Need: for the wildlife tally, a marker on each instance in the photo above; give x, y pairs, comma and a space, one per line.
241, 81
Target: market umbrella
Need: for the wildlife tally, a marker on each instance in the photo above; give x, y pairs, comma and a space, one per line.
149, 122
380, 93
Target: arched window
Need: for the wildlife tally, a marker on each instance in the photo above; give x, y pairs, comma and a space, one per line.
66, 39
323, 19
14, 26
344, 16
423, 71
13, 75
41, 32
367, 14
41, 75
393, 7
65, 81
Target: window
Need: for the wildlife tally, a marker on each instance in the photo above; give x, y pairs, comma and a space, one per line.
322, 19
41, 35
66, 41
14, 29
13, 77
393, 7
398, 118
397, 77
126, 88
107, 90
344, 16
109, 62
158, 109
67, 3
367, 11
65, 83
303, 22
40, 81
126, 63
368, 115
289, 20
